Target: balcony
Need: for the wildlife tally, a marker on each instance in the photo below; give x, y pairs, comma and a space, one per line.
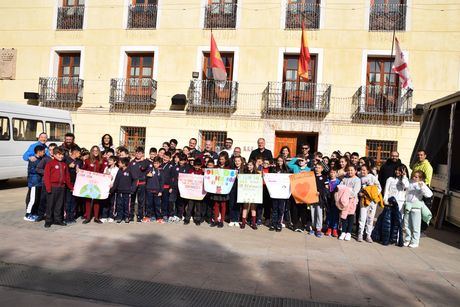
60, 93
70, 17
211, 97
220, 16
142, 16
309, 13
134, 95
376, 102
293, 99
387, 17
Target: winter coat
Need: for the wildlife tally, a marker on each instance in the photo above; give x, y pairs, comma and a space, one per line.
57, 175
345, 201
372, 194
33, 178
389, 225
426, 213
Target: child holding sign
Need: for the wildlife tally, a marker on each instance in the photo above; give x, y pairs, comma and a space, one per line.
278, 205
196, 206
250, 169
220, 200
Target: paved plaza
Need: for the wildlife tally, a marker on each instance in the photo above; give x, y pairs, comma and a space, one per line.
81, 264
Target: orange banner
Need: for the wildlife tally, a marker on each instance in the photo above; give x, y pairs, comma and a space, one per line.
303, 188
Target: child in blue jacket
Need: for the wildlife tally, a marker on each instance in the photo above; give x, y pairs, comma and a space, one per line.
34, 184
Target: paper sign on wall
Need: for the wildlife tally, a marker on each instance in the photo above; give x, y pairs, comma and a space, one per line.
92, 185
250, 189
303, 188
278, 185
191, 186
219, 180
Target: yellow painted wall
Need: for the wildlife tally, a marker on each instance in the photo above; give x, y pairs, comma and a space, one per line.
432, 42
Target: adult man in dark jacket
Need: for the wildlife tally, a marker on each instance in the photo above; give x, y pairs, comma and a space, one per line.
388, 168
261, 151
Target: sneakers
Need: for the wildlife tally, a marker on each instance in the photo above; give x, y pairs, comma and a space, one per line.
119, 221
413, 245
319, 234
254, 226
311, 232
71, 222
186, 222
272, 228
213, 224
279, 228
328, 232
347, 237
369, 239
220, 225
335, 233
47, 225
146, 220
29, 218
342, 236
283, 225
298, 230
231, 224
104, 220
259, 222
127, 220
110, 220
153, 219
360, 238
160, 221
97, 221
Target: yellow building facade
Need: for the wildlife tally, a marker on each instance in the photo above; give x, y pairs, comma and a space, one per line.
352, 103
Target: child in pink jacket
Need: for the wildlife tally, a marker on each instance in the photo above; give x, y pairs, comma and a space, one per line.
347, 215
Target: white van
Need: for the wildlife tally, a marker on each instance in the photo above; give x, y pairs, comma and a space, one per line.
20, 126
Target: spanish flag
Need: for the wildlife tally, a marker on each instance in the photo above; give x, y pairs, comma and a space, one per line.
217, 65
304, 57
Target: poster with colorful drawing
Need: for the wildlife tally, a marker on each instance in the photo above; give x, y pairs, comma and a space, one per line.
278, 185
250, 189
219, 180
92, 185
303, 188
191, 186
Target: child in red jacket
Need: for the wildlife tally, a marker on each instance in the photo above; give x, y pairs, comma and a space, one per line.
56, 178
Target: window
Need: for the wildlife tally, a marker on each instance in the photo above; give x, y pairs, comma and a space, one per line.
380, 150
216, 137
227, 58
142, 14
68, 74
56, 131
387, 15
70, 15
132, 137
139, 74
220, 14
382, 85
4, 128
307, 11
26, 129
291, 64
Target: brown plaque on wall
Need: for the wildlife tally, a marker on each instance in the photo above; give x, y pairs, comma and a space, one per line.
8, 64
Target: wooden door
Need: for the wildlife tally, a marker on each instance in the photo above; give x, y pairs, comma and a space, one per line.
139, 74
285, 140
382, 85
68, 74
297, 93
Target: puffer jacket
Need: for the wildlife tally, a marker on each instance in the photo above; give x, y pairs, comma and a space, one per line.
33, 178
372, 194
389, 225
345, 201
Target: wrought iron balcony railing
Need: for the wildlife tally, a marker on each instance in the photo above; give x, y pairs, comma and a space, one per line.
296, 99
142, 16
387, 17
382, 102
309, 13
133, 95
70, 17
220, 16
209, 96
61, 93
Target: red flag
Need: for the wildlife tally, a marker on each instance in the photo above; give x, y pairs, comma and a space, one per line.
217, 65
400, 67
304, 57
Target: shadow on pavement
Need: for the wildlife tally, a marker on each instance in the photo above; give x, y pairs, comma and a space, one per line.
13, 183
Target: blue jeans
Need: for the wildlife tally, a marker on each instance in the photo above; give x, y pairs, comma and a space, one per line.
70, 205
332, 217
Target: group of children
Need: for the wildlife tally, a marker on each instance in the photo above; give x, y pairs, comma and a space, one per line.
345, 189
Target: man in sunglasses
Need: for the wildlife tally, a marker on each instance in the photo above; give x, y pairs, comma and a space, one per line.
305, 152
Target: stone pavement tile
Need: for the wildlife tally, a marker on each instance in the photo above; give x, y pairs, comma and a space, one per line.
452, 278
339, 287
450, 262
431, 288
292, 288
182, 277
383, 287
132, 271
230, 284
